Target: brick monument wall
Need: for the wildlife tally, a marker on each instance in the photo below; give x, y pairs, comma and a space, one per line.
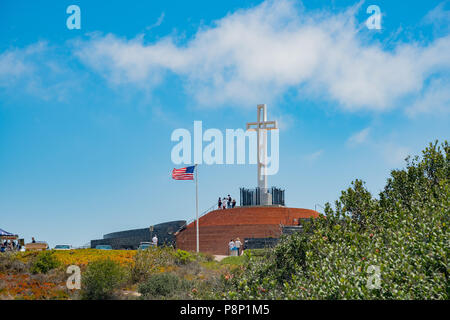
219, 226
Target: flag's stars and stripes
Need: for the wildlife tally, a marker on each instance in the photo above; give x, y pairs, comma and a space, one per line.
183, 173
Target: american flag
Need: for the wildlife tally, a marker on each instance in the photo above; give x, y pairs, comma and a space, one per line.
183, 173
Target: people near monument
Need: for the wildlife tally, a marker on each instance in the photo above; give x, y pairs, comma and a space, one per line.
231, 247
155, 240
226, 202
238, 245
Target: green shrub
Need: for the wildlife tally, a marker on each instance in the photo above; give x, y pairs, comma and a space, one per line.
10, 263
257, 252
404, 233
163, 285
205, 257
101, 279
150, 261
183, 257
44, 262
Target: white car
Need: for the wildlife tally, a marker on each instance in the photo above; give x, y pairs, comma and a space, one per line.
63, 247
145, 245
103, 247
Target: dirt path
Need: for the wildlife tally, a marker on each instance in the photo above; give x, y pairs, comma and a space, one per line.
219, 258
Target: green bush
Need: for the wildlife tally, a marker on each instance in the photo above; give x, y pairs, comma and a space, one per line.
404, 233
183, 257
257, 252
44, 262
163, 285
150, 261
10, 263
101, 279
205, 257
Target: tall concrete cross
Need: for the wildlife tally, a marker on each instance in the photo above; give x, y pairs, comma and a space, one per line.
261, 127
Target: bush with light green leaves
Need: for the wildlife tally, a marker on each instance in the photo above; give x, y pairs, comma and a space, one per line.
102, 279
391, 247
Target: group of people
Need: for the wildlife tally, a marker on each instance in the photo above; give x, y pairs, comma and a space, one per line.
235, 247
226, 203
10, 245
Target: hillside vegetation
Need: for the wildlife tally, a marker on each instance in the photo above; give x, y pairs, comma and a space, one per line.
391, 247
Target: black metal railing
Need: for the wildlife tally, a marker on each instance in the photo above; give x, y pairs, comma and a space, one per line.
252, 197
201, 215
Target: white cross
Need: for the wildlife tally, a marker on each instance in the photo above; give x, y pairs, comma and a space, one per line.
261, 127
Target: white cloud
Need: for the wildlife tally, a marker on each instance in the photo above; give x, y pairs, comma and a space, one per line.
359, 137
158, 22
439, 15
395, 155
259, 53
284, 121
314, 156
36, 70
435, 99
16, 63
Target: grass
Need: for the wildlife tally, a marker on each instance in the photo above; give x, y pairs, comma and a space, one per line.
233, 260
82, 257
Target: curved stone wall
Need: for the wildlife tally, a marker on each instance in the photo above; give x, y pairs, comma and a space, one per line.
130, 239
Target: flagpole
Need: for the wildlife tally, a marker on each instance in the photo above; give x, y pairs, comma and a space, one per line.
196, 204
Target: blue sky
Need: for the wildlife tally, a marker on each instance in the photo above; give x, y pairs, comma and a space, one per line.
86, 115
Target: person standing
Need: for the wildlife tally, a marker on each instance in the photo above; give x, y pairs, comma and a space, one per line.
32, 240
231, 247
220, 203
155, 241
238, 245
233, 203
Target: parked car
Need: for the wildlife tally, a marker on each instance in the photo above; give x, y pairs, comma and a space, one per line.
103, 247
145, 245
63, 247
